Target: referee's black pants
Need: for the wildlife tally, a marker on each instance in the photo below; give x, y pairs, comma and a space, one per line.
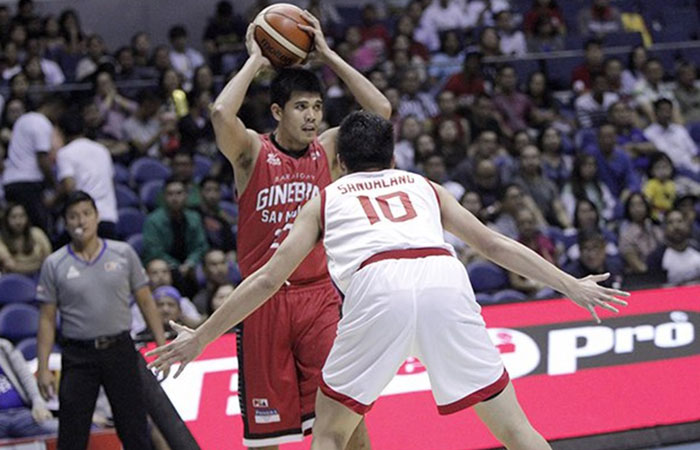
83, 370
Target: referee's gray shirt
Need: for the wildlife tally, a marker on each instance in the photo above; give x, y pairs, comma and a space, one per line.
92, 298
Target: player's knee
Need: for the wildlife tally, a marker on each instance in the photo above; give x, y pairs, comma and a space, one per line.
515, 434
331, 439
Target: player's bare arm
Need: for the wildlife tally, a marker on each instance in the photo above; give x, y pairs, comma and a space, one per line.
248, 296
239, 144
585, 292
367, 95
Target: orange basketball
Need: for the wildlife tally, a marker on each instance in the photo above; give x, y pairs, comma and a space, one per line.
280, 40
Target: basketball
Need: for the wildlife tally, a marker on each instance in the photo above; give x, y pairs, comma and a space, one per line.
280, 40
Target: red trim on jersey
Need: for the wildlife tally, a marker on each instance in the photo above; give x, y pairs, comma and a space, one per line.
409, 253
475, 397
346, 401
323, 211
432, 186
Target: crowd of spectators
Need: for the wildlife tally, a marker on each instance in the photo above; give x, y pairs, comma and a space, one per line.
603, 178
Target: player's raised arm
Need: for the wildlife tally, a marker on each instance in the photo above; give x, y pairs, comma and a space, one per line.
585, 292
232, 137
249, 295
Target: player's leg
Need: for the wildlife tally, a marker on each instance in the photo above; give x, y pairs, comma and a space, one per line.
335, 424
359, 440
508, 423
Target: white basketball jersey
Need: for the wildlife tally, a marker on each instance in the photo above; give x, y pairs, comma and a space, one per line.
366, 213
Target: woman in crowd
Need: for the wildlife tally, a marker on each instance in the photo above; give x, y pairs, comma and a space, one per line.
585, 185
23, 248
639, 236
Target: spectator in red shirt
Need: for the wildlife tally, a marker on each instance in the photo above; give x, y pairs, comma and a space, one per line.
515, 106
547, 9
469, 82
372, 29
593, 62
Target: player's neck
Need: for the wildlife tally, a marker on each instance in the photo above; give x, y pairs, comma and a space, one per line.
286, 144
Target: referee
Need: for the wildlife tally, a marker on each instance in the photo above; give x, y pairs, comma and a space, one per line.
90, 281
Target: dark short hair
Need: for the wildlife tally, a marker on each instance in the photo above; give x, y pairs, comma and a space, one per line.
594, 42
628, 203
177, 31
365, 141
291, 80
591, 234
659, 156
224, 8
71, 123
171, 180
76, 197
662, 101
504, 190
209, 179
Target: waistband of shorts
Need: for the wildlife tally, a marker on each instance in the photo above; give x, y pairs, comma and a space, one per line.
408, 253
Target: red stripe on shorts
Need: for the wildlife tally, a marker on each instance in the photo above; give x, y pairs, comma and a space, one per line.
348, 402
476, 397
409, 253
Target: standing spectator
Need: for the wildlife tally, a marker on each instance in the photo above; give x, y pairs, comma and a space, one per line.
594, 259
515, 106
23, 412
600, 19
512, 39
585, 185
175, 233
217, 223
223, 38
415, 101
615, 168
85, 165
544, 10
96, 56
23, 248
687, 93
639, 237
581, 76
93, 300
652, 88
216, 273
28, 168
676, 258
673, 139
592, 106
72, 52
184, 59
468, 83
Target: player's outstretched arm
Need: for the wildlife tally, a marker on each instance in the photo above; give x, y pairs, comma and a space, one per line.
248, 296
232, 137
367, 95
585, 292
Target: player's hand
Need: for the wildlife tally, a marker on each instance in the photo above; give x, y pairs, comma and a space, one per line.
47, 384
40, 413
253, 48
320, 45
185, 348
588, 294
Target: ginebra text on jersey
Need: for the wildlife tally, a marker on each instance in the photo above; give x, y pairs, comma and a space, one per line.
295, 192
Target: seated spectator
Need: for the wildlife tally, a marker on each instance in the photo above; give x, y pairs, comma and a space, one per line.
95, 56
594, 260
530, 235
639, 236
688, 205
592, 63
415, 101
634, 73
11, 64
448, 106
141, 46
486, 181
546, 36
203, 80
216, 273
175, 233
424, 147
652, 88
515, 106
94, 130
196, 131
556, 165
363, 56
542, 190
471, 201
548, 10
143, 130
512, 200
220, 296
127, 71
435, 170
592, 106
167, 299
217, 223
468, 83
160, 60
450, 144
23, 248
600, 19
182, 166
113, 107
687, 93
660, 188
183, 59
485, 147
614, 166
676, 257
173, 96
512, 39
545, 111
586, 218
629, 137
449, 60
673, 139
53, 75
23, 412
404, 152
612, 68
14, 108
224, 38
483, 116
585, 185
489, 43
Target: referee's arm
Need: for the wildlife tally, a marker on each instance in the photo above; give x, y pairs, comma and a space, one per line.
148, 308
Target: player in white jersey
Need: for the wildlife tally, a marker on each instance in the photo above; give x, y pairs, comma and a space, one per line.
405, 293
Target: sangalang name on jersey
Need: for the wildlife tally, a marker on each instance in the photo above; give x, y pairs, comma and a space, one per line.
375, 184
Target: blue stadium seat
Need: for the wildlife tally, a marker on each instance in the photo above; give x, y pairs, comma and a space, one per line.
694, 130
19, 321
130, 222
483, 298
16, 288
202, 165
508, 295
559, 70
28, 347
229, 208
147, 169
148, 193
622, 39
226, 193
121, 174
486, 276
136, 241
126, 198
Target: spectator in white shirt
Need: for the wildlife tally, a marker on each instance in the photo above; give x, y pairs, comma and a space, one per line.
28, 168
592, 106
512, 40
95, 56
652, 88
183, 59
439, 16
53, 75
673, 139
413, 100
676, 259
85, 165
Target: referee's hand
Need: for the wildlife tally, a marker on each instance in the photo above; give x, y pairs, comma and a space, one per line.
185, 348
47, 384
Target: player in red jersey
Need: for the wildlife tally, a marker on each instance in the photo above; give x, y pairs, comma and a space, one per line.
282, 347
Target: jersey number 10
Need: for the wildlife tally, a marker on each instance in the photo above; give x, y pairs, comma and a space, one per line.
383, 202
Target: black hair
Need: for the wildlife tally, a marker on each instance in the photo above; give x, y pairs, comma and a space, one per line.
8, 238
224, 8
580, 202
171, 180
71, 123
365, 141
662, 101
592, 42
630, 56
628, 202
208, 179
76, 197
578, 185
652, 60
291, 80
588, 235
177, 31
656, 157
505, 189
148, 94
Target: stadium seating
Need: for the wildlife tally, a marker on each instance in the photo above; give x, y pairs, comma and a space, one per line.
28, 348
486, 276
126, 198
508, 295
15, 288
19, 321
148, 193
202, 165
136, 241
147, 169
130, 222
229, 208
121, 174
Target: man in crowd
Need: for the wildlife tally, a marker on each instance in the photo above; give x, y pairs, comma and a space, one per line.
676, 258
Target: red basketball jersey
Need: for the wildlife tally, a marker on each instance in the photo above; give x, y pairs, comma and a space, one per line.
279, 186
